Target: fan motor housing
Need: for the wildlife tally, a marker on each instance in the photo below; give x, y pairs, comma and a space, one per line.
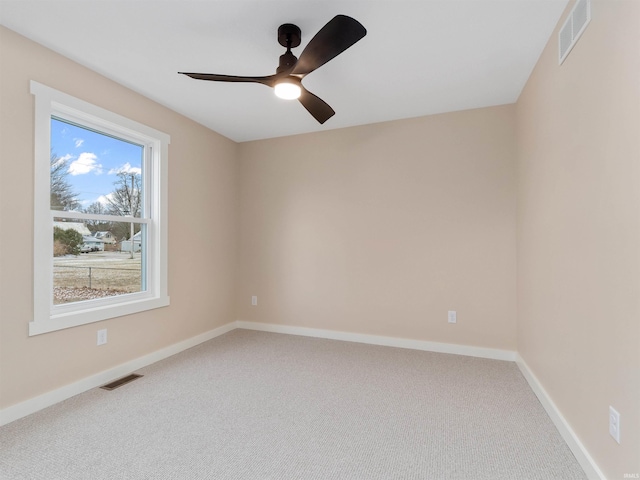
287, 62
289, 35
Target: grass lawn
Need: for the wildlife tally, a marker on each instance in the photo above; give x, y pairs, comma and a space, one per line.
95, 275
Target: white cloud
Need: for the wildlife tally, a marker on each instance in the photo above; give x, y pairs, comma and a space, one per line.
79, 142
86, 163
104, 199
126, 168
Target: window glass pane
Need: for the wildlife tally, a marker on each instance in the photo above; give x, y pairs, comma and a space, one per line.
93, 172
95, 264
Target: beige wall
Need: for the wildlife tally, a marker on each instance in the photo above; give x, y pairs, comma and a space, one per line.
203, 177
382, 229
579, 231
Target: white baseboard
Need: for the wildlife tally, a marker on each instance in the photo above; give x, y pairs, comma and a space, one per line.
32, 405
470, 351
573, 442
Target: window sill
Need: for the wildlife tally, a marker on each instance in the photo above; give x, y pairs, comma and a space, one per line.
86, 316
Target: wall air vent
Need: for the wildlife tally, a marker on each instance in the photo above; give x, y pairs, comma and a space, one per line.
573, 27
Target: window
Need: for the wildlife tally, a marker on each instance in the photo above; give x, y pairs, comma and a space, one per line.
100, 226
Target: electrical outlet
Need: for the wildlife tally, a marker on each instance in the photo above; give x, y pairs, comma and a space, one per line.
254, 300
452, 316
614, 424
102, 336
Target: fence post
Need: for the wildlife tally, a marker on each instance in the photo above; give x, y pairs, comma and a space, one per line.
89, 278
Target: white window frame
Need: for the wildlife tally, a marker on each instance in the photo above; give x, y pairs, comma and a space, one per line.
48, 317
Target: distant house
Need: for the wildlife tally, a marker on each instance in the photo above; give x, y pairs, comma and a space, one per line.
81, 228
106, 237
92, 244
125, 245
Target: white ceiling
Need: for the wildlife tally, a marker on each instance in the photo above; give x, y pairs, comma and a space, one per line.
418, 58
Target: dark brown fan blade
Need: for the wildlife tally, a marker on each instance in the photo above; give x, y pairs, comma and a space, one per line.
334, 38
317, 107
269, 80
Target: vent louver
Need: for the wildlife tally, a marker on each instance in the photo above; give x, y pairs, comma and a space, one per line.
573, 27
121, 381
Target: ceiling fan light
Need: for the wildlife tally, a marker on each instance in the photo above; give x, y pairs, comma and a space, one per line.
288, 89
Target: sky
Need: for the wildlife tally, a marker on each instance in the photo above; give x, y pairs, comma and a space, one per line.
94, 160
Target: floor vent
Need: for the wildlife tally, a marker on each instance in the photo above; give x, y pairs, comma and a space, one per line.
573, 27
121, 381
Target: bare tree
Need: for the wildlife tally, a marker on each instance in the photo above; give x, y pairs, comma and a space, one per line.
62, 195
126, 199
97, 208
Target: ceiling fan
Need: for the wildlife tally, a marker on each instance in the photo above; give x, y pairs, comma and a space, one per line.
340, 33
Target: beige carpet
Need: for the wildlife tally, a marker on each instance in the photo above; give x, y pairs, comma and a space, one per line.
255, 405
